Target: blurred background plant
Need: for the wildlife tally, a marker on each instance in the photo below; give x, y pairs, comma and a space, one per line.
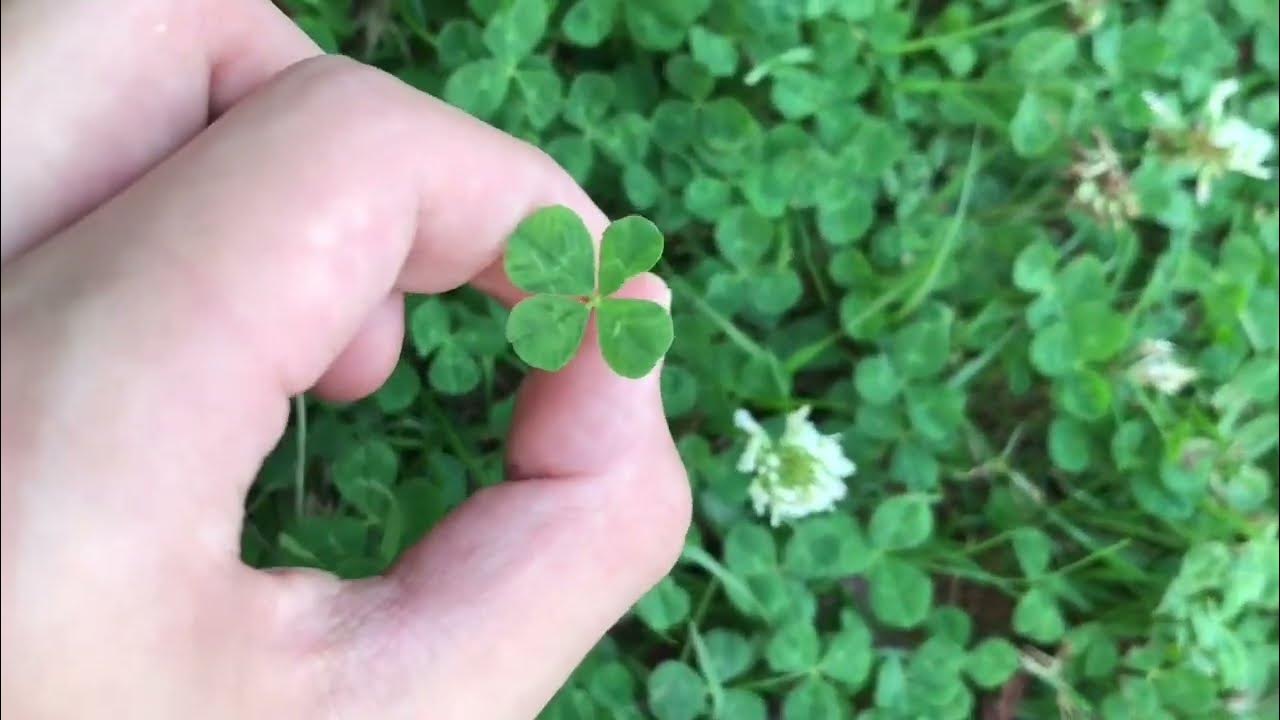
1031, 296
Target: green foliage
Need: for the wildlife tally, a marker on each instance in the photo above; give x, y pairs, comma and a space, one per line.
992, 662
901, 522
959, 233
676, 692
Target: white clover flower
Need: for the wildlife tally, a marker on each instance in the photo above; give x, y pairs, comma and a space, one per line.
1246, 146
1159, 368
1220, 143
1243, 146
798, 474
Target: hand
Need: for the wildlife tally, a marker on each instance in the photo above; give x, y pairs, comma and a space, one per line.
169, 283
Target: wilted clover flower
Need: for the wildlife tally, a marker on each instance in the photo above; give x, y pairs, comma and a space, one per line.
798, 474
1158, 367
1219, 143
1088, 14
1102, 186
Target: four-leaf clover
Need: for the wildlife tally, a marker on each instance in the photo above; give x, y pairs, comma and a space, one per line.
551, 256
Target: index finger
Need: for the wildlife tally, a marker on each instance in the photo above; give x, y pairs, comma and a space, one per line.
134, 81
235, 272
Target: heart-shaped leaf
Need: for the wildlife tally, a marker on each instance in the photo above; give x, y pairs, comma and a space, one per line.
551, 252
901, 522
634, 335
453, 371
546, 330
631, 245
901, 593
514, 31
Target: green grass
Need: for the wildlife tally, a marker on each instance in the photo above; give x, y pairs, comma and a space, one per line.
953, 229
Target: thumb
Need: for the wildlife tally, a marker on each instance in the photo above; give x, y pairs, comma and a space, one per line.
586, 417
515, 587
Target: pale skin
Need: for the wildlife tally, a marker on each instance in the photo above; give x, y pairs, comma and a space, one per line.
201, 219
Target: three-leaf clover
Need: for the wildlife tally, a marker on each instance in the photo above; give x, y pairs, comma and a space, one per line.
550, 255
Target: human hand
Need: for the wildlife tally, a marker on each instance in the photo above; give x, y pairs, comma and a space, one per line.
167, 286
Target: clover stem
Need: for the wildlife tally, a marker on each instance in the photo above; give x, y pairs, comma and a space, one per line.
735, 335
943, 253
1018, 16
799, 55
455, 441
300, 463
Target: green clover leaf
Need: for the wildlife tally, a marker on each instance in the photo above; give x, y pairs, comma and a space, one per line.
676, 691
1037, 617
479, 87
634, 334
515, 31
551, 256
795, 647
1032, 130
588, 22
729, 654
631, 246
901, 522
992, 662
551, 252
546, 330
663, 607
901, 593
813, 699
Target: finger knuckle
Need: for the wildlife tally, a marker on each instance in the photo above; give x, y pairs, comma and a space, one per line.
674, 505
659, 513
353, 101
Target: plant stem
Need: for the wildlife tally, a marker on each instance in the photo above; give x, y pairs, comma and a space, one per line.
455, 442
735, 335
953, 234
1091, 557
1018, 16
300, 464
708, 672
975, 366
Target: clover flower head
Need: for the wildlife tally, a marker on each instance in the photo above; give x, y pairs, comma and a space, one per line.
1158, 367
800, 473
1220, 143
1241, 147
